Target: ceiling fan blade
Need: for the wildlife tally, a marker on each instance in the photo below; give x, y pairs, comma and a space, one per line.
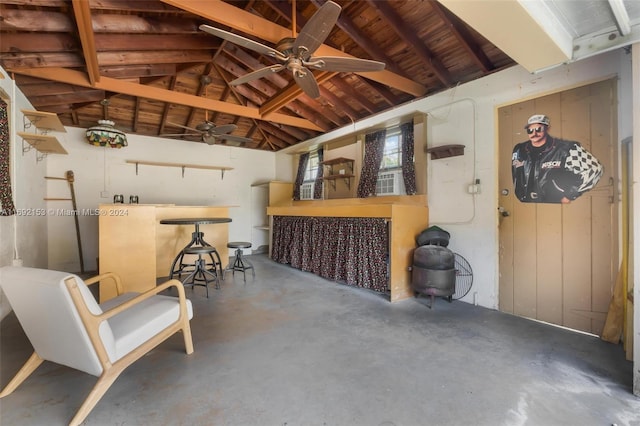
182, 127
307, 82
243, 41
221, 130
316, 30
257, 74
209, 139
168, 135
235, 138
342, 64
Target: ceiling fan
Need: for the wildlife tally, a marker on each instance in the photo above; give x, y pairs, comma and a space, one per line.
211, 133
207, 129
295, 53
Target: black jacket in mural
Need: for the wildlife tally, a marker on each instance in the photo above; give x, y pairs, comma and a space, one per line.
557, 169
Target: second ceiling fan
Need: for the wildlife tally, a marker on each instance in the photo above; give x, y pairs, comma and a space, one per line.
295, 53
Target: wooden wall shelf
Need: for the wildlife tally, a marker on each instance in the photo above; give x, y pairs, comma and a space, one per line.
180, 165
44, 120
339, 160
44, 144
445, 151
331, 176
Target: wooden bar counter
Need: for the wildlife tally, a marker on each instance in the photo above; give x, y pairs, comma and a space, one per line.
133, 243
408, 216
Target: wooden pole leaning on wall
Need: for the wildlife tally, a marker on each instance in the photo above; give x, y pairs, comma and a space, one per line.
69, 177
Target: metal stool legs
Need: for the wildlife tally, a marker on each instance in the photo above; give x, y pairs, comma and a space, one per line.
203, 273
240, 263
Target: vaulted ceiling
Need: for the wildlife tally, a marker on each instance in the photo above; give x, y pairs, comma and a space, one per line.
160, 73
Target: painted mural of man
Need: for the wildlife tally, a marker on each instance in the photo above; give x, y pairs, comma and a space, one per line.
546, 169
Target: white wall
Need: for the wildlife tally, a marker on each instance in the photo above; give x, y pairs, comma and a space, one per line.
22, 237
99, 170
467, 115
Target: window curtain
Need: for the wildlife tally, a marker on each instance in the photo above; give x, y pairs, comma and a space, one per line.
408, 161
7, 207
373, 151
349, 250
302, 166
317, 188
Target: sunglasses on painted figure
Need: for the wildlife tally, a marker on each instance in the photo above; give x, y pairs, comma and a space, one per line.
535, 129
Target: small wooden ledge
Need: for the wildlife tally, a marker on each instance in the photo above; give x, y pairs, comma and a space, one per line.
445, 151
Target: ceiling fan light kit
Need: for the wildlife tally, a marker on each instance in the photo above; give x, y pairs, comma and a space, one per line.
295, 53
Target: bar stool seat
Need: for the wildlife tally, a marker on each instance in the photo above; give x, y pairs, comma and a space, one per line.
240, 263
203, 273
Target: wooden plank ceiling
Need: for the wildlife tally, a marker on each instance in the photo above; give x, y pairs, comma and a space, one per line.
157, 69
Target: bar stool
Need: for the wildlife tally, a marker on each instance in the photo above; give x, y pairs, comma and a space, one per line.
203, 273
240, 263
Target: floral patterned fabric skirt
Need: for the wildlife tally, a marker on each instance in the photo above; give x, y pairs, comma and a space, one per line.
353, 251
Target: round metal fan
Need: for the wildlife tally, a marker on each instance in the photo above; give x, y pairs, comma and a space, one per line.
464, 277
295, 53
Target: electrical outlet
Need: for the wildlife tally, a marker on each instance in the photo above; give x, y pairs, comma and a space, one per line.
474, 188
17, 262
104, 194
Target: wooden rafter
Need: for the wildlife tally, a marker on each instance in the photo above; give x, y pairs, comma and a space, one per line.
462, 34
422, 51
349, 27
80, 79
289, 94
82, 12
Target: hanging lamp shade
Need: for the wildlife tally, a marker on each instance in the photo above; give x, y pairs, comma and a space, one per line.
105, 133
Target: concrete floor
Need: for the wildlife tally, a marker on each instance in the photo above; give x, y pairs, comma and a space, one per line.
293, 349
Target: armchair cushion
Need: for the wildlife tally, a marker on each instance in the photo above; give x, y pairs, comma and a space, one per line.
151, 316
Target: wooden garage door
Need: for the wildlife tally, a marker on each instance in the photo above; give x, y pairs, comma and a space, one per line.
558, 262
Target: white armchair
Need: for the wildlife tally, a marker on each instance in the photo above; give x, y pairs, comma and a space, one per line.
66, 325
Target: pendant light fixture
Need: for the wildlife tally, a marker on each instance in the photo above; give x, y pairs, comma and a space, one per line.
105, 133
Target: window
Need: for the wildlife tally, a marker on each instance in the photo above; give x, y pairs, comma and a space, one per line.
310, 174
312, 168
390, 175
392, 156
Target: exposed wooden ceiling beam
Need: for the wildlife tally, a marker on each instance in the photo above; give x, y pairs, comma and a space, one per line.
336, 102
241, 20
347, 25
462, 34
138, 71
149, 92
350, 91
82, 12
291, 93
409, 36
256, 124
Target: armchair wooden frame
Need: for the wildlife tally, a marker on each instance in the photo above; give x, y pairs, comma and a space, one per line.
110, 372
